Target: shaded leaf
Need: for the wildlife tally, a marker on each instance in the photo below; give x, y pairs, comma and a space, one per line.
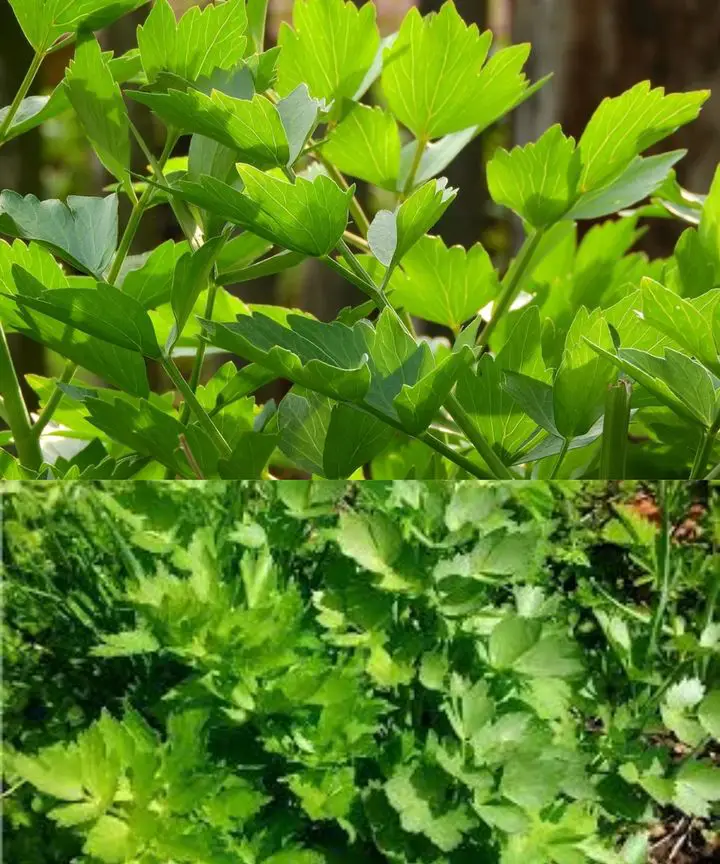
82, 231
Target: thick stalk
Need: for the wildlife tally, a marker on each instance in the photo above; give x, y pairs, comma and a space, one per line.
707, 442
512, 286
477, 439
26, 444
613, 455
21, 94
191, 399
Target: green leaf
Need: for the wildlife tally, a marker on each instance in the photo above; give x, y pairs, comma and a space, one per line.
709, 714
250, 455
538, 181
510, 638
327, 438
534, 397
257, 11
581, 382
365, 144
99, 105
374, 542
127, 644
432, 74
300, 114
393, 234
411, 795
624, 126
151, 283
325, 794
500, 417
330, 47
190, 277
306, 216
328, 358
110, 840
35, 110
55, 771
675, 379
251, 127
82, 231
103, 311
118, 366
193, 47
446, 285
43, 21
642, 177
697, 787
143, 427
682, 321
75, 814
418, 402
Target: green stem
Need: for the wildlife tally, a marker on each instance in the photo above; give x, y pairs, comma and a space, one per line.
358, 214
662, 566
201, 349
21, 94
51, 405
613, 455
561, 458
371, 289
180, 209
191, 399
512, 286
417, 158
707, 442
714, 473
26, 444
497, 468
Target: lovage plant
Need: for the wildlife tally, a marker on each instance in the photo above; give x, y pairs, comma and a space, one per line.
584, 359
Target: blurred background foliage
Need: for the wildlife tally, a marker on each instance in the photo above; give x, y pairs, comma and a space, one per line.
594, 48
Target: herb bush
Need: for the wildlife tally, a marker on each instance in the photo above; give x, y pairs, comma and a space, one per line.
309, 672
593, 361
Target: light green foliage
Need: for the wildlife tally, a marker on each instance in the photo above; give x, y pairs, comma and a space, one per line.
626, 125
330, 47
446, 285
305, 216
350, 666
527, 334
392, 235
196, 45
366, 144
539, 181
435, 77
43, 21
